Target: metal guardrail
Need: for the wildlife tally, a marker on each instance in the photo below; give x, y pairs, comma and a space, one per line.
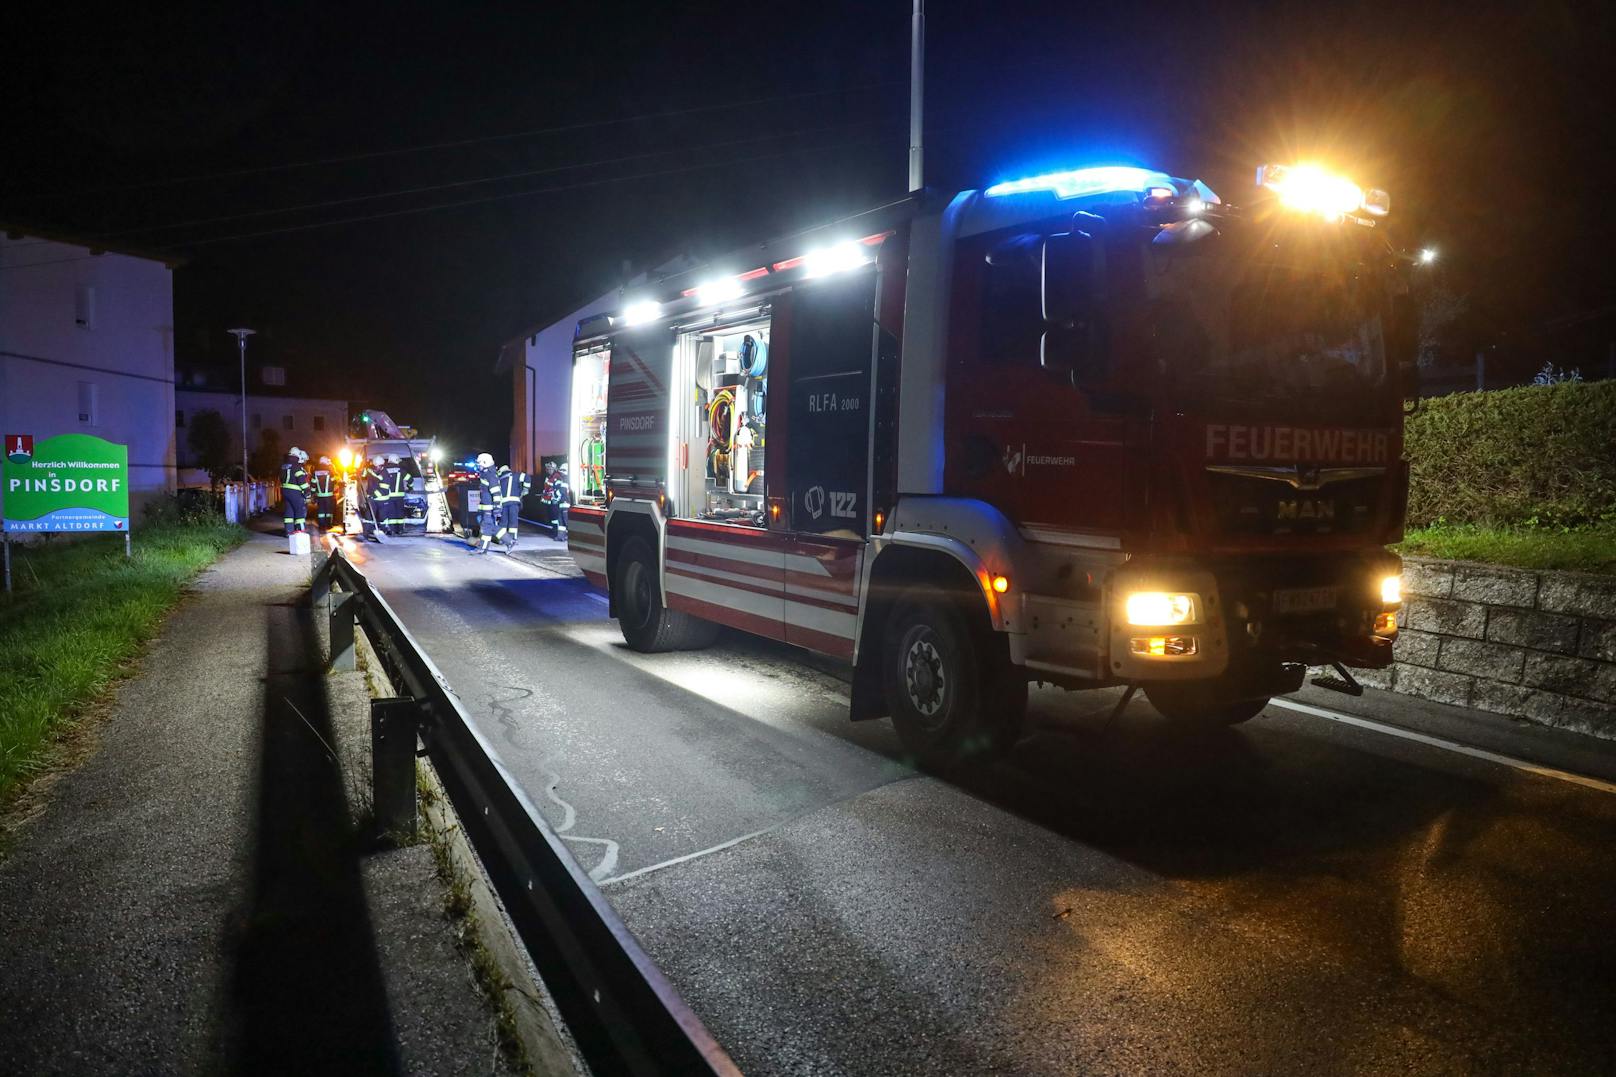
624, 1015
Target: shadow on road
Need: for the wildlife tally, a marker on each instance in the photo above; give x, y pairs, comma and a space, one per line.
307, 988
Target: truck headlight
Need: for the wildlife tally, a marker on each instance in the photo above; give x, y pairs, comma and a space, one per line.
1391, 591
1163, 608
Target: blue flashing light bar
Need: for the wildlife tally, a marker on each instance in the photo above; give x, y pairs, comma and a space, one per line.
1105, 179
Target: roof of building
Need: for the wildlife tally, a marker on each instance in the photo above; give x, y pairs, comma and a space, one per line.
210, 377
15, 230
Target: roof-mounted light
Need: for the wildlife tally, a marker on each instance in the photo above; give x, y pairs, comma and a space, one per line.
646, 310
719, 290
1307, 188
1077, 183
838, 258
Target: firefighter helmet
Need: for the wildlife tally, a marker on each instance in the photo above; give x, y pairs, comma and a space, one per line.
484, 460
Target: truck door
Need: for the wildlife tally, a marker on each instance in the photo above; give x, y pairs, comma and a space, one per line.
832, 338
1021, 436
637, 416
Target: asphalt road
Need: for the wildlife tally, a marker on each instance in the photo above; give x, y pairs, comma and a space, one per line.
1296, 894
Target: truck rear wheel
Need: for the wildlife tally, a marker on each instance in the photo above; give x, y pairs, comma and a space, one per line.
953, 697
1201, 706
647, 624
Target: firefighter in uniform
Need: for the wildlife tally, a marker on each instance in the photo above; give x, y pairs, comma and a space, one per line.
377, 492
562, 492
487, 500
294, 491
395, 494
325, 494
513, 486
547, 492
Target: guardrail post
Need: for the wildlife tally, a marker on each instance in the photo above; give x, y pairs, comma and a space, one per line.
344, 605
320, 584
392, 754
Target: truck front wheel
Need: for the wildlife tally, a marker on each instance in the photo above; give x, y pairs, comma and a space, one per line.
954, 698
648, 625
1198, 705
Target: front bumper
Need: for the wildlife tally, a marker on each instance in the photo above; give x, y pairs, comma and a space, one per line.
1250, 616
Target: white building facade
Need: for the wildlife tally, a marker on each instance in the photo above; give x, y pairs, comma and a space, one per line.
540, 367
87, 347
317, 426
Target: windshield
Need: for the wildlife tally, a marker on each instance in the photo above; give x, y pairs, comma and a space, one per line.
1292, 328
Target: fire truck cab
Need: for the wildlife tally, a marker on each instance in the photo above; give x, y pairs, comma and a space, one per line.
1092, 428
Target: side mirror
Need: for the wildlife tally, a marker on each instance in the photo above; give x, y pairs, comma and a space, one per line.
1073, 272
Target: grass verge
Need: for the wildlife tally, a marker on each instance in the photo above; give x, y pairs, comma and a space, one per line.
79, 613
1584, 549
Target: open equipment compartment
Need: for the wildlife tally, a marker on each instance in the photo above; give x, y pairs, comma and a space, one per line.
587, 451
720, 437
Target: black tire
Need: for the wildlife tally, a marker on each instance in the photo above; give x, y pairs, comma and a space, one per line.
646, 623
952, 693
1198, 705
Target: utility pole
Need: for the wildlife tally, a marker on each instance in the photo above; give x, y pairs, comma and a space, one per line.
917, 91
241, 336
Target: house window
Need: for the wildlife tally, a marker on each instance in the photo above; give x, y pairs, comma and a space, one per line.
84, 306
88, 398
179, 417
273, 375
257, 420
287, 423
319, 422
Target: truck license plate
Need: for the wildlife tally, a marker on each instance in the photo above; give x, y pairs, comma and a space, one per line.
1306, 599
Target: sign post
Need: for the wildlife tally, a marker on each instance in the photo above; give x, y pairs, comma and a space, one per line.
71, 482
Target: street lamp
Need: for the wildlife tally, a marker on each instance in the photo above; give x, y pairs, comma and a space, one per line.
241, 336
1427, 255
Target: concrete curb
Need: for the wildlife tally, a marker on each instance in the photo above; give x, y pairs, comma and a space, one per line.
549, 1047
442, 1020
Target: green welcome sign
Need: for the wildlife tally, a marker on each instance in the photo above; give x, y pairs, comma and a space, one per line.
71, 482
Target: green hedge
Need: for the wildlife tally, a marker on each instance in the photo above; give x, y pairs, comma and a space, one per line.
1539, 455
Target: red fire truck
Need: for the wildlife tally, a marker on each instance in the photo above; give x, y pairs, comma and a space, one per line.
1092, 428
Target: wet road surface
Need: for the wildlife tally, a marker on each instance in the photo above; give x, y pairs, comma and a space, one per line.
1293, 894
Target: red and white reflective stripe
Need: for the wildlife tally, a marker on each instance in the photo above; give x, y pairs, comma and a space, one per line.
749, 579
758, 608
586, 541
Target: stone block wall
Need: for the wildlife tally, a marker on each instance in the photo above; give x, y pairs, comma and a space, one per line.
1533, 645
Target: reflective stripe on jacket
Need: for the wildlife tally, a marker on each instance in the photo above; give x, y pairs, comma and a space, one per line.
322, 482
293, 477
512, 486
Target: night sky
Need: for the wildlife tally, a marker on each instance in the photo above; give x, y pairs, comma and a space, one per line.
579, 138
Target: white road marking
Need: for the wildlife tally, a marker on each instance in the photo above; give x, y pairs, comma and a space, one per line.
1450, 746
720, 847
